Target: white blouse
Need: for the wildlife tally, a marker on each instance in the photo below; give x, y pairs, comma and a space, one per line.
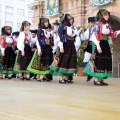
85, 35
47, 35
9, 40
21, 38
72, 32
106, 31
33, 40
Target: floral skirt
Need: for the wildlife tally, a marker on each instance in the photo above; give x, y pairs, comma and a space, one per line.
40, 64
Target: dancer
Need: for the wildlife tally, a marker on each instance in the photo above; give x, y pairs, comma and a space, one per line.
24, 55
100, 64
87, 36
43, 56
67, 64
6, 43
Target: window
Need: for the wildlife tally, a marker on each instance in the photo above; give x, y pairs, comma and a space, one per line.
18, 26
0, 7
20, 19
9, 2
9, 23
21, 4
31, 14
21, 12
9, 9
9, 17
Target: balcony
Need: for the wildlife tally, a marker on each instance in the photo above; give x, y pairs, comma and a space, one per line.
35, 3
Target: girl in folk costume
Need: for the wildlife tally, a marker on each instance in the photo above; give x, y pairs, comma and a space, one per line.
43, 57
24, 54
7, 45
49, 76
87, 36
100, 64
67, 64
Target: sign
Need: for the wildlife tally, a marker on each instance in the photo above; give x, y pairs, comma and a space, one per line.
51, 7
101, 2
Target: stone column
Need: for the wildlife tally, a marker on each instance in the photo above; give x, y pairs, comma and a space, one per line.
82, 12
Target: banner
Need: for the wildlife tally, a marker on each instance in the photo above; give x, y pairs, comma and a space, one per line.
51, 7
101, 2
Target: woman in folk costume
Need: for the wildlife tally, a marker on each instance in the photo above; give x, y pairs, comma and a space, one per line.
100, 64
67, 64
43, 57
7, 45
24, 54
87, 36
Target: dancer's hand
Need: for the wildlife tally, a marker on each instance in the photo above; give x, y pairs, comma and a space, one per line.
81, 29
99, 50
23, 53
3, 54
39, 53
61, 50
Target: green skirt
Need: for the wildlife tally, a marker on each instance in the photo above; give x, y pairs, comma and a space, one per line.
22, 62
36, 66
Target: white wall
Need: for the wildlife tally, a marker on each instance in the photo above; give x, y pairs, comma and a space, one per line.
14, 12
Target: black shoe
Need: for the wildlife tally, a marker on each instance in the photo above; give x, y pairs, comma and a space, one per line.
7, 77
97, 83
88, 80
62, 81
68, 81
45, 79
21, 78
38, 80
1, 77
103, 83
25, 78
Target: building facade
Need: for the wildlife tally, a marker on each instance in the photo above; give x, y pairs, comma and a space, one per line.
14, 12
81, 10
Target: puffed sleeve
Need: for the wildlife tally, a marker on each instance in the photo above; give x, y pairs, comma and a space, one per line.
113, 34
55, 42
38, 46
20, 43
60, 44
95, 37
77, 32
2, 44
77, 43
85, 35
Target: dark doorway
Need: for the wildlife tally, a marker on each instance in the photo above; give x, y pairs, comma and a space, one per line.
115, 24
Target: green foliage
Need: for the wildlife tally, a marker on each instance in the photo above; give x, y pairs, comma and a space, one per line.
80, 55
